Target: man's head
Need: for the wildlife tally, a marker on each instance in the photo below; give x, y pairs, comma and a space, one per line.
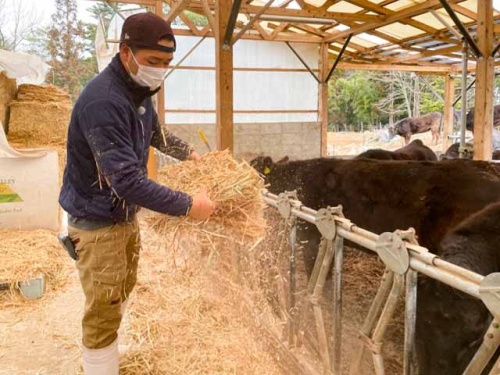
146, 40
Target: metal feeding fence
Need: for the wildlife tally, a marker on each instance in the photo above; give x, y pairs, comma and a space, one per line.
403, 259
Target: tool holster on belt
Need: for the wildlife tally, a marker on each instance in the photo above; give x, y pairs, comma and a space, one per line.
68, 245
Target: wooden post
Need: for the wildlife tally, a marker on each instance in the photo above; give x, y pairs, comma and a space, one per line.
448, 118
160, 109
223, 78
485, 77
323, 96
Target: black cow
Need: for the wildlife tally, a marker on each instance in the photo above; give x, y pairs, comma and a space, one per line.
451, 324
469, 120
416, 150
409, 126
453, 151
384, 196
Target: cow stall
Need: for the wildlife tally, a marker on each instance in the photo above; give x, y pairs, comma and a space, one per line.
403, 259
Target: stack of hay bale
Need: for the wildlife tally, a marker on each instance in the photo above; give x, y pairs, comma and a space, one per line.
39, 116
8, 91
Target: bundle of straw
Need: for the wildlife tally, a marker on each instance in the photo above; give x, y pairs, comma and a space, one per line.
234, 187
27, 254
47, 93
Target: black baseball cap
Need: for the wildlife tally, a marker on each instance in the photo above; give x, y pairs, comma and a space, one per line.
145, 30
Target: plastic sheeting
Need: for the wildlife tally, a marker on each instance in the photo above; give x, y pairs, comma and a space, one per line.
254, 91
189, 91
22, 67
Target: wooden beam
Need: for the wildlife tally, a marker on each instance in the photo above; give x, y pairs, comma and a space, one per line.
152, 165
323, 96
409, 12
135, 2
385, 11
428, 53
187, 21
265, 35
305, 13
449, 91
209, 15
464, 11
485, 78
175, 9
282, 26
404, 68
224, 79
251, 22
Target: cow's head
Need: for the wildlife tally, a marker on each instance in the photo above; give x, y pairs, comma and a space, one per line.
402, 127
265, 164
450, 327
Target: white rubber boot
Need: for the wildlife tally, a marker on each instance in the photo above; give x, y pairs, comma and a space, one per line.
123, 307
104, 361
122, 347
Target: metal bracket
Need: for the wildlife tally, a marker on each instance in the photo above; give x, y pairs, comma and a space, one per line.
407, 235
392, 250
325, 221
489, 291
284, 203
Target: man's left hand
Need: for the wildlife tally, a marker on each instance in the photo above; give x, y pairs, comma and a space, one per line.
194, 156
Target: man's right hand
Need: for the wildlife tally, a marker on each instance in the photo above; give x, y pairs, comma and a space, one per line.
202, 206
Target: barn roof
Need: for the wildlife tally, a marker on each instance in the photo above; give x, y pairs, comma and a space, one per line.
382, 32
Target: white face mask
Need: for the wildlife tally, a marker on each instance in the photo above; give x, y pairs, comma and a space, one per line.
148, 76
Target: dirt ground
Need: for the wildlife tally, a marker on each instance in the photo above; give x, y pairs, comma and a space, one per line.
44, 336
350, 143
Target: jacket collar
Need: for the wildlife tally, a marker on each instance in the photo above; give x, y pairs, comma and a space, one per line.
137, 92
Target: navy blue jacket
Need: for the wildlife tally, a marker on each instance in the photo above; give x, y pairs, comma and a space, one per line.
107, 151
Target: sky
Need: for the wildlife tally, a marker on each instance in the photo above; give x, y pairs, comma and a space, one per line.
47, 7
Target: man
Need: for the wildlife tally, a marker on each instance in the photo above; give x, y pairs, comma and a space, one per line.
105, 182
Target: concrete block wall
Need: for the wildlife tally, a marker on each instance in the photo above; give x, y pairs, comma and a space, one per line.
297, 140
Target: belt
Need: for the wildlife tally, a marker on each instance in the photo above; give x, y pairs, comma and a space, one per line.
89, 224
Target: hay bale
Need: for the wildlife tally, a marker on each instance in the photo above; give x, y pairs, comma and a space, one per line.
234, 187
36, 123
49, 93
26, 254
8, 91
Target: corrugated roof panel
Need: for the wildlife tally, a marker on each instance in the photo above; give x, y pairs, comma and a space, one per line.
400, 31
344, 7
431, 20
350, 49
316, 3
362, 42
403, 4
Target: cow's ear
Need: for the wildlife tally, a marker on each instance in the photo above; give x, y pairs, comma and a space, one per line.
284, 160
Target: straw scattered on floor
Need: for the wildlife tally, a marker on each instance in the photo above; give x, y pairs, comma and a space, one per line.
27, 254
185, 319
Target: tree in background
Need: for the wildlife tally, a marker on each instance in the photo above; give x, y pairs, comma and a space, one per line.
353, 100
17, 24
68, 48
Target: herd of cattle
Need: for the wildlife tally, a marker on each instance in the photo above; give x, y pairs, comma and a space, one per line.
454, 206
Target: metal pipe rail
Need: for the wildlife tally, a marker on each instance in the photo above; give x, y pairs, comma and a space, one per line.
421, 259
